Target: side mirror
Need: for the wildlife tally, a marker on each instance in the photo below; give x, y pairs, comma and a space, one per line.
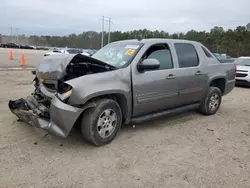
148, 64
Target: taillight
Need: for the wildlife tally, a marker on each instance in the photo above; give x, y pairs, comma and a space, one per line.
235, 69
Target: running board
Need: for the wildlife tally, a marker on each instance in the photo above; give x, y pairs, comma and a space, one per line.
164, 113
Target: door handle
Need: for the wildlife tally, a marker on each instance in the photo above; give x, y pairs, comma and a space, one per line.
198, 73
171, 76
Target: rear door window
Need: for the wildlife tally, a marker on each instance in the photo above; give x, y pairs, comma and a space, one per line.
187, 55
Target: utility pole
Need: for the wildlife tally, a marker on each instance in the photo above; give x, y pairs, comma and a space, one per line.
17, 36
104, 20
109, 30
11, 34
102, 29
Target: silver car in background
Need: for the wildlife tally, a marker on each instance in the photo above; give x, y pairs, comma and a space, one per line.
67, 51
243, 71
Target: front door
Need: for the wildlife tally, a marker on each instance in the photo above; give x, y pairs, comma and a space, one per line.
156, 90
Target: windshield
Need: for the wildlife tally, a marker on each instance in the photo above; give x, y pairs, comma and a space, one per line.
243, 62
117, 54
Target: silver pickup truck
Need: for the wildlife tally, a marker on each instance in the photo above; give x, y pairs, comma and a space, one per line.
125, 82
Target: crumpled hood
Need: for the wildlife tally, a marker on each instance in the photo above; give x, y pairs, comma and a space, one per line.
54, 67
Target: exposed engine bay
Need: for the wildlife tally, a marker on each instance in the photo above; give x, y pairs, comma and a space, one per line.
50, 76
80, 66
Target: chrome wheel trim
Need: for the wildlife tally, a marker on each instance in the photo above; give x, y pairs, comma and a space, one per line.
106, 123
214, 102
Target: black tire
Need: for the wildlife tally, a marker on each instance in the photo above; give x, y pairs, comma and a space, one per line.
204, 107
90, 119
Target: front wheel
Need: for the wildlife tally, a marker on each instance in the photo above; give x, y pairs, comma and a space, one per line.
101, 124
211, 102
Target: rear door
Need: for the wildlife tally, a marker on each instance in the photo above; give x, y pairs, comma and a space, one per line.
155, 90
192, 79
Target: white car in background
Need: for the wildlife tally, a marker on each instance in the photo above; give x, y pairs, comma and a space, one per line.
243, 71
67, 51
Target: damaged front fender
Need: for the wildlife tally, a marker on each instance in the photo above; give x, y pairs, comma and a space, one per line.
62, 116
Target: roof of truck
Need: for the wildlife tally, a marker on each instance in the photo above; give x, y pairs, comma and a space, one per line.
156, 40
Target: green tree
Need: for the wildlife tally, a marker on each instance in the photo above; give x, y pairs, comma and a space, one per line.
232, 42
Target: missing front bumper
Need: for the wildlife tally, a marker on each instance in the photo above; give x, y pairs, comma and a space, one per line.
62, 116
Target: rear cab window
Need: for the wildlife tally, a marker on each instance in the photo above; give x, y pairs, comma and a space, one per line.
211, 58
187, 55
207, 53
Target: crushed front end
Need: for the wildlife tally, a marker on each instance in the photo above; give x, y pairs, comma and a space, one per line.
57, 120
43, 110
47, 107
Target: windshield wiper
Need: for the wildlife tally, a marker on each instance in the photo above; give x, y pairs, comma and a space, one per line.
111, 67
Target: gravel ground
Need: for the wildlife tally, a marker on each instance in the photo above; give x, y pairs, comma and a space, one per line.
187, 150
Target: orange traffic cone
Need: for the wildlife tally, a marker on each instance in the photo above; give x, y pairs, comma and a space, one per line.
23, 61
11, 55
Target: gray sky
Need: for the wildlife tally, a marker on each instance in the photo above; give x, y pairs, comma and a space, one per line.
62, 17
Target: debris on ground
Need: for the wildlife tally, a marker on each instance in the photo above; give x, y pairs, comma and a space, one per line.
210, 129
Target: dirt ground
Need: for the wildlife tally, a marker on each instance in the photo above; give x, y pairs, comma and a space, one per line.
187, 150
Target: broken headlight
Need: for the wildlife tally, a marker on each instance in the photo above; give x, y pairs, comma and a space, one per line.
63, 90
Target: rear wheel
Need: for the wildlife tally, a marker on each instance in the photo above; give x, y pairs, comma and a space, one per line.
101, 124
211, 102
